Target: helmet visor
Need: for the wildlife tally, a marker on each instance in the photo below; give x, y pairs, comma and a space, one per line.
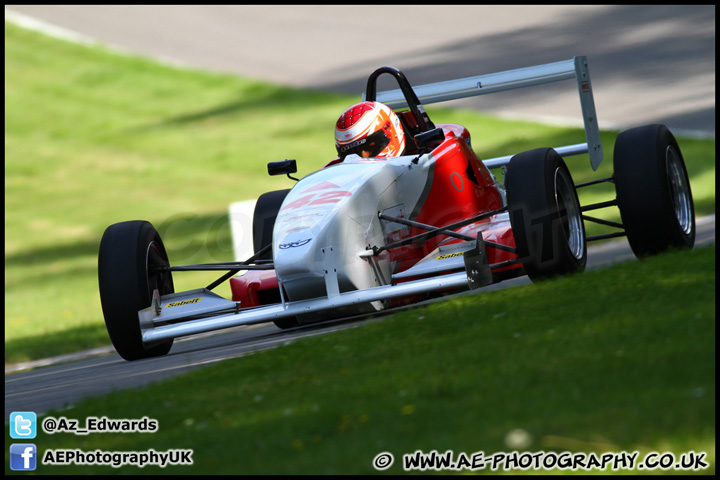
372, 145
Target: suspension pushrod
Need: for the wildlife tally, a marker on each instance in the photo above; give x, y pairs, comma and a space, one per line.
232, 272
603, 222
595, 182
606, 235
422, 226
218, 267
595, 206
446, 230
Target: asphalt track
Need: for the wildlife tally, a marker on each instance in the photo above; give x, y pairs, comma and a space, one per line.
63, 381
649, 64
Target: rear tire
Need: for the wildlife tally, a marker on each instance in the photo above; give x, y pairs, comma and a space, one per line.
129, 251
653, 190
545, 214
266, 211
286, 323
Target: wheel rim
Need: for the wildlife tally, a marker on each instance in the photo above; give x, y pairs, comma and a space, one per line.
156, 279
570, 215
679, 190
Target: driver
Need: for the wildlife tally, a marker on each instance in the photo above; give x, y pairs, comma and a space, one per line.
369, 129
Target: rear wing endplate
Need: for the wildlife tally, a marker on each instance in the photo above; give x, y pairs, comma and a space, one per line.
576, 68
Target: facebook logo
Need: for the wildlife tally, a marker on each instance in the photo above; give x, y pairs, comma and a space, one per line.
23, 456
23, 425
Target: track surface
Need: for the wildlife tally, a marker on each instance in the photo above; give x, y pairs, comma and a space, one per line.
63, 384
649, 64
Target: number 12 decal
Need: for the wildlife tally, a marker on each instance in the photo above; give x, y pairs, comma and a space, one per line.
318, 199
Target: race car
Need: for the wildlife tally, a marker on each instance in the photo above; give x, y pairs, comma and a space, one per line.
365, 234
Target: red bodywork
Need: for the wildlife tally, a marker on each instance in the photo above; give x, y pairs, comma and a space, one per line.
462, 187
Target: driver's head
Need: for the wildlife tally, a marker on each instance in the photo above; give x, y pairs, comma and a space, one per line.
369, 129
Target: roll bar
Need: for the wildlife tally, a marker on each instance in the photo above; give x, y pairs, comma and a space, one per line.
409, 97
577, 68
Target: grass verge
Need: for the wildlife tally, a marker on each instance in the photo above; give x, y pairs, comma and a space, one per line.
613, 360
93, 137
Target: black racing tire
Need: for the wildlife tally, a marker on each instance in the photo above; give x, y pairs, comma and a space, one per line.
286, 323
653, 191
545, 215
127, 279
266, 211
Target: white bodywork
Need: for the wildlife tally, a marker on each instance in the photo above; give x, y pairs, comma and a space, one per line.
318, 248
338, 207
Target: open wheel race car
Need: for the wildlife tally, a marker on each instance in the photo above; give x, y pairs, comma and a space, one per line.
364, 234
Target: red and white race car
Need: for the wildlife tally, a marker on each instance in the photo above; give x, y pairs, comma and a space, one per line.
363, 234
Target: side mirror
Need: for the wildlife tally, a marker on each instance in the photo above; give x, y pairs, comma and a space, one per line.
284, 167
426, 141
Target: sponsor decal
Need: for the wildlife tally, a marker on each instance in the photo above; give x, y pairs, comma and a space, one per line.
317, 199
457, 181
299, 243
322, 186
448, 255
354, 144
183, 302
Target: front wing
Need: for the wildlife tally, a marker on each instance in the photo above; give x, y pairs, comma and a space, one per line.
198, 311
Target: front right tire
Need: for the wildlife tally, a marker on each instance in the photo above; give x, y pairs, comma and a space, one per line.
130, 253
545, 214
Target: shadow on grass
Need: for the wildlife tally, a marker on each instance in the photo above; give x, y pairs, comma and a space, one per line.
189, 238
44, 345
184, 234
255, 98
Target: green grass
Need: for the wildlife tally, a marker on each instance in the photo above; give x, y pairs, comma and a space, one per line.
613, 360
93, 138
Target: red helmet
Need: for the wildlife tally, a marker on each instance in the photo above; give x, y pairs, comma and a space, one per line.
369, 129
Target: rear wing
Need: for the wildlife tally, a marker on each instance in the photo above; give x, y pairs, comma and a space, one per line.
576, 68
